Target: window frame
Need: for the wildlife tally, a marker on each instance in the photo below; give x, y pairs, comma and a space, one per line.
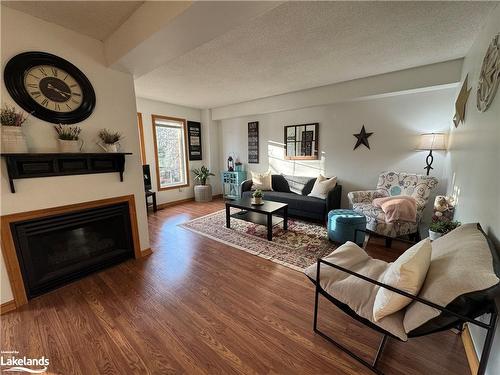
154, 118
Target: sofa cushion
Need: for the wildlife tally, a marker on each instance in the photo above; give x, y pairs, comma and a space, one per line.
296, 183
261, 181
308, 186
297, 202
463, 276
280, 183
357, 294
322, 187
407, 273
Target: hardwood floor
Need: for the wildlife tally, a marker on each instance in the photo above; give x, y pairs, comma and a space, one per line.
196, 306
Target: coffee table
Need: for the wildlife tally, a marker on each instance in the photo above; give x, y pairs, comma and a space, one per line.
264, 214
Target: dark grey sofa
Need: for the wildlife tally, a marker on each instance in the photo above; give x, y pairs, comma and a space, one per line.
298, 205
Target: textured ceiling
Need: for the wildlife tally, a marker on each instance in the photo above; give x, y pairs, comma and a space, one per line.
97, 19
300, 45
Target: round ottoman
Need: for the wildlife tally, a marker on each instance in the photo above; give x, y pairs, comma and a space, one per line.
341, 226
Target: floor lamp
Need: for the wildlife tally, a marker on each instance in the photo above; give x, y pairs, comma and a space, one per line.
430, 142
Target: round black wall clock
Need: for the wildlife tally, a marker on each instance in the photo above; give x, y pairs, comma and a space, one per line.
49, 87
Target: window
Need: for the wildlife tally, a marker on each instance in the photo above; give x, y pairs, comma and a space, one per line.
170, 150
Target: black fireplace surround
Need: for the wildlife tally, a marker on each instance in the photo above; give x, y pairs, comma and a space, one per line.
55, 250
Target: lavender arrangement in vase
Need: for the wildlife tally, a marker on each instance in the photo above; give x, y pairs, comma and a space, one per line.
13, 139
69, 138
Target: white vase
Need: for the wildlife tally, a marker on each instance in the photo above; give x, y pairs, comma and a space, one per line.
203, 193
70, 146
257, 200
434, 235
13, 139
110, 147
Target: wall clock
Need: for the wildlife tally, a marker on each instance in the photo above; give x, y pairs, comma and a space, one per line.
489, 78
49, 87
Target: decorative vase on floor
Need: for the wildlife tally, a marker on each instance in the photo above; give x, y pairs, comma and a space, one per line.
13, 139
70, 146
203, 193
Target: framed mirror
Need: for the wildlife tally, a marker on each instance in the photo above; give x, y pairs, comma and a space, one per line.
301, 142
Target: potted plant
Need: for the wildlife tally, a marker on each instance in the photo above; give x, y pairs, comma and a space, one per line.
69, 138
257, 197
202, 191
110, 140
13, 139
440, 228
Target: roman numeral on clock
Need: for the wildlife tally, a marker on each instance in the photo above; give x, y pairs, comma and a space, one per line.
33, 85
45, 102
42, 71
54, 72
35, 94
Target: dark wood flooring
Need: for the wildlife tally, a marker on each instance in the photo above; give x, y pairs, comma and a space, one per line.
196, 306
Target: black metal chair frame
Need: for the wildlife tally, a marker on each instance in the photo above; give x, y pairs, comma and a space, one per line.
490, 327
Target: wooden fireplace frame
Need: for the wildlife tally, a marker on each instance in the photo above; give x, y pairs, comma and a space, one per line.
9, 250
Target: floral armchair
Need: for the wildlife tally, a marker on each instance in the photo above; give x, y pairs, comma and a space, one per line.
393, 184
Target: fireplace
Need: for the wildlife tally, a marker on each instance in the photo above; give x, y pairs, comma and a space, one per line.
55, 249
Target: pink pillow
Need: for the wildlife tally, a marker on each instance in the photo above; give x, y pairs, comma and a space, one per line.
403, 208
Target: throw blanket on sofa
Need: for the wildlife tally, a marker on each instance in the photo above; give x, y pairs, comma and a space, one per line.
403, 208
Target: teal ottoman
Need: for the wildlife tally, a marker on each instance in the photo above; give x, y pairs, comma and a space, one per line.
341, 226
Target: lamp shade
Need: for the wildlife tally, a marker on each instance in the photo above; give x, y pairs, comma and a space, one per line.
432, 141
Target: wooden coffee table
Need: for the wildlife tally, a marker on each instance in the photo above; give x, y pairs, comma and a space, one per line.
264, 214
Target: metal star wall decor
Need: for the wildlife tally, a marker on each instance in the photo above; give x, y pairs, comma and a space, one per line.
461, 103
362, 137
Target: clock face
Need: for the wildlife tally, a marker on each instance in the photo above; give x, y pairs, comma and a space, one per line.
49, 87
53, 88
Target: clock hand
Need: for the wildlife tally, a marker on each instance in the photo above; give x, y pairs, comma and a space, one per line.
63, 93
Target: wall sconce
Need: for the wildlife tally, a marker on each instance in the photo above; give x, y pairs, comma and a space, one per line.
430, 142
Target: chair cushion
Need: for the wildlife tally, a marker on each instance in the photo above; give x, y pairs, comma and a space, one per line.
357, 294
370, 211
463, 276
407, 273
375, 221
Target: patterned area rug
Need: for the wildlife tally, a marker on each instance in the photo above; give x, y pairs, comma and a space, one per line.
296, 248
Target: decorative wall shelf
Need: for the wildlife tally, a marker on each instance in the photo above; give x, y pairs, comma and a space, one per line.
31, 165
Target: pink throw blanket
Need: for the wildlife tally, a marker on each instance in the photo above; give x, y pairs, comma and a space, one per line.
403, 208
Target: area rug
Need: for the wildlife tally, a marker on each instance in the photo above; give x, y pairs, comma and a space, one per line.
297, 248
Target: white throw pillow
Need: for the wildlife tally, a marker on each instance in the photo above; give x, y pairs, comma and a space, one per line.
322, 187
262, 181
407, 273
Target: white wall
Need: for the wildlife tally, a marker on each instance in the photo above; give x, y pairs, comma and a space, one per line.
395, 121
115, 109
474, 160
149, 107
